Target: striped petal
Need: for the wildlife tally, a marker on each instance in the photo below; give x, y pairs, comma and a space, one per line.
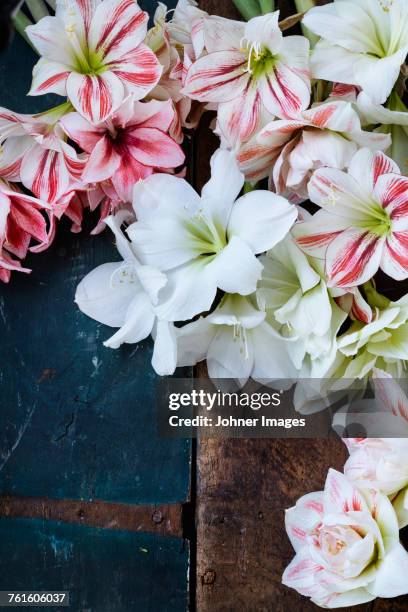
314, 236
353, 257
81, 131
139, 71
95, 97
337, 116
367, 167
284, 93
117, 28
50, 38
303, 574
45, 174
154, 148
217, 77
240, 118
49, 77
102, 163
340, 496
392, 191
339, 193
394, 261
11, 156
256, 161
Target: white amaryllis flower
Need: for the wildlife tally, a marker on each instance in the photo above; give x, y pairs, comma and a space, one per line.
123, 294
347, 546
364, 222
381, 344
206, 243
364, 43
250, 68
298, 306
237, 343
93, 53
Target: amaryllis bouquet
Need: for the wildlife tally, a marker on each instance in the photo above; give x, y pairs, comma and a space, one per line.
280, 267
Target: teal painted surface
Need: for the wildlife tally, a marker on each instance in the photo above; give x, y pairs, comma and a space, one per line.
77, 420
104, 571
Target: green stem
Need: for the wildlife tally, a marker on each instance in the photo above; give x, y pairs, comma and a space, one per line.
247, 8
20, 22
38, 9
375, 299
266, 6
248, 187
303, 6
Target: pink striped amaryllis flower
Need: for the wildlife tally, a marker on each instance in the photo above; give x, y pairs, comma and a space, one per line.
363, 224
348, 550
34, 152
327, 135
250, 69
128, 146
93, 53
20, 222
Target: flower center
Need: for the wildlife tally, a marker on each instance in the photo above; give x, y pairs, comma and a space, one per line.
86, 61
208, 237
260, 59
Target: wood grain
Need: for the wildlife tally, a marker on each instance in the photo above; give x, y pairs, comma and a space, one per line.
244, 486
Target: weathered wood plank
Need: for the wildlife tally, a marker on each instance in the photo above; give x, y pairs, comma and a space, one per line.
104, 570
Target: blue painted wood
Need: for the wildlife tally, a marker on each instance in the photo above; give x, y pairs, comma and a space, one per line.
105, 571
77, 420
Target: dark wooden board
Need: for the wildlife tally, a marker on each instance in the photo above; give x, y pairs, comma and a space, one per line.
104, 570
244, 487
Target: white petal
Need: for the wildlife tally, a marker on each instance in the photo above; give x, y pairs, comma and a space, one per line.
226, 181
230, 357
333, 63
49, 36
138, 324
193, 341
236, 269
392, 572
161, 194
272, 357
190, 290
101, 299
164, 360
261, 219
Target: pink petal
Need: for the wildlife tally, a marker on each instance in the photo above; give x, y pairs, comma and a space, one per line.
353, 257
140, 71
17, 240
340, 496
130, 172
394, 261
154, 148
153, 114
217, 77
284, 93
95, 97
11, 156
85, 134
102, 163
118, 27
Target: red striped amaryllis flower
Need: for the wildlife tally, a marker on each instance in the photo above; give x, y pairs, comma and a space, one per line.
251, 69
93, 53
363, 224
20, 222
128, 146
34, 152
326, 135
